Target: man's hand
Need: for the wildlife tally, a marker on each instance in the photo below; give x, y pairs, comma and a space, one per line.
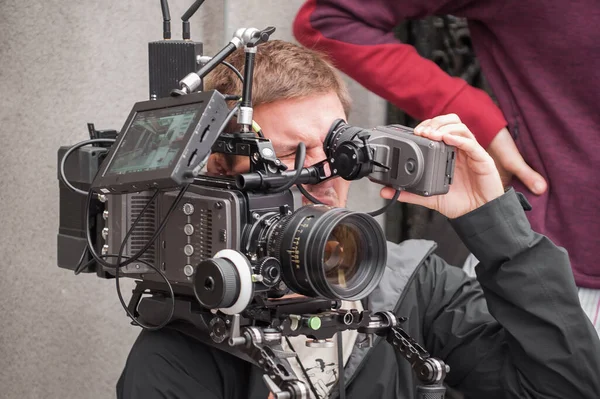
476, 179
510, 162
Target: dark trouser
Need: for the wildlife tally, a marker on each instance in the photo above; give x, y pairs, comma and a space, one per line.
169, 364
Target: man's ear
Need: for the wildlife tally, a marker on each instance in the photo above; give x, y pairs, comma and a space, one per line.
217, 164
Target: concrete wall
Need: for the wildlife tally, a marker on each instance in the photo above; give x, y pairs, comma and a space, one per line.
63, 65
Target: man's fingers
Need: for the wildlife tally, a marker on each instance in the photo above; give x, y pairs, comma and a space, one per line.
430, 125
532, 179
469, 146
456, 129
444, 120
507, 157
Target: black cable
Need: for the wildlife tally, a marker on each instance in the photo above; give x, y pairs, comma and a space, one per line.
235, 70
385, 208
159, 230
78, 268
374, 213
307, 195
131, 229
142, 251
230, 115
133, 318
298, 165
63, 161
89, 236
228, 65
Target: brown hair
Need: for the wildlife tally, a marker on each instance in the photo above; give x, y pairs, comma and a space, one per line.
282, 71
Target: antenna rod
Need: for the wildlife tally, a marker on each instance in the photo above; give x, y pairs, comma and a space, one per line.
186, 16
166, 19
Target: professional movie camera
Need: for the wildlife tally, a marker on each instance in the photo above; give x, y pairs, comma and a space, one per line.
222, 252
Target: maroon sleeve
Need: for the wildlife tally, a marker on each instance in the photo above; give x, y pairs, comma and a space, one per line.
358, 37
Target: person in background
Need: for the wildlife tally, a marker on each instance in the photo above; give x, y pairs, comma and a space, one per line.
541, 60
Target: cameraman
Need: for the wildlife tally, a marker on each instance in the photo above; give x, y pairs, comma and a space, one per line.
516, 331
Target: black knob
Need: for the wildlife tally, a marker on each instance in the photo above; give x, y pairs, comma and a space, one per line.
216, 283
270, 270
349, 160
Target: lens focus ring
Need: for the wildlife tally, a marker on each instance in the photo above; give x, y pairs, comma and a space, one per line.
329, 252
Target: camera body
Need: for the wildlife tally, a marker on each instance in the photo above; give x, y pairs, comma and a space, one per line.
416, 164
212, 216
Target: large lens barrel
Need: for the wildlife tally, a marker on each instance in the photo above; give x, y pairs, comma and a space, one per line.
329, 252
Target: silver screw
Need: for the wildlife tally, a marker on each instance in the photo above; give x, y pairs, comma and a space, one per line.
267, 152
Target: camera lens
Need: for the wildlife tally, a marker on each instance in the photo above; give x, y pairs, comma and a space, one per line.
329, 252
343, 252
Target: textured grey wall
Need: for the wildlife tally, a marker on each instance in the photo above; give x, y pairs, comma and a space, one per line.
63, 65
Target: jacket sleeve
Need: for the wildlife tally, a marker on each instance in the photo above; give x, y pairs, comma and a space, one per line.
518, 331
358, 37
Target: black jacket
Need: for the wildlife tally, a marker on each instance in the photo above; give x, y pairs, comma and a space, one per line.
517, 331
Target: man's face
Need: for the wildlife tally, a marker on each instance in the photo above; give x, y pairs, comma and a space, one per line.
289, 122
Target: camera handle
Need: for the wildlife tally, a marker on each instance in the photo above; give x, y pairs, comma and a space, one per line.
429, 370
263, 345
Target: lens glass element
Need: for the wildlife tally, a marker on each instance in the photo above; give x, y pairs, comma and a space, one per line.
344, 251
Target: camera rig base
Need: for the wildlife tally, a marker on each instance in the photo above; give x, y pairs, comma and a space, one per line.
256, 334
